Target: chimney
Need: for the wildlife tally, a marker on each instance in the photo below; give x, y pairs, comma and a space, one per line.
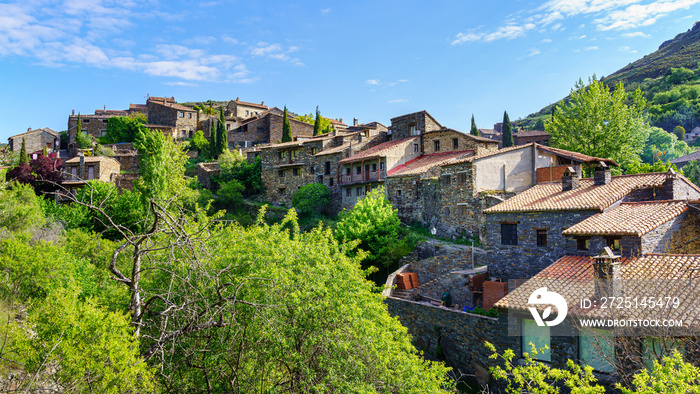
262, 103
340, 120
601, 174
29, 129
606, 272
570, 179
354, 121
73, 112
237, 98
105, 107
81, 167
350, 150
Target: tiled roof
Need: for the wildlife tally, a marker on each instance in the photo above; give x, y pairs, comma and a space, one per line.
631, 218
424, 163
650, 275
139, 106
378, 150
474, 137
262, 105
532, 133
45, 130
689, 157
336, 122
174, 105
550, 197
333, 150
575, 156
489, 131
90, 159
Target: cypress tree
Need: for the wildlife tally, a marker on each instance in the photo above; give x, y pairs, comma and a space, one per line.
23, 158
212, 139
222, 138
507, 131
317, 122
45, 152
286, 127
474, 130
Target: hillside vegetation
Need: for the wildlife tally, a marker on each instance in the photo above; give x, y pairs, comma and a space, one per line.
669, 79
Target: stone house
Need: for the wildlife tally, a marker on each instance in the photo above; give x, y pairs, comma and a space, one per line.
243, 109
414, 124
523, 137
93, 125
472, 184
35, 140
524, 234
364, 171
266, 127
288, 166
683, 160
692, 134
163, 111
610, 351
80, 169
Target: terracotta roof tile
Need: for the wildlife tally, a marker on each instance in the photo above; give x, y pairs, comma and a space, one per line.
550, 197
652, 275
532, 133
424, 163
474, 137
575, 156
174, 105
250, 104
632, 218
90, 159
379, 150
689, 157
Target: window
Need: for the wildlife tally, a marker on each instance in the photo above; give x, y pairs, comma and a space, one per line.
294, 154
374, 167
437, 145
328, 168
348, 192
358, 191
415, 147
104, 120
358, 169
228, 127
462, 210
330, 181
282, 191
582, 243
74, 173
538, 336
462, 178
348, 171
190, 115
613, 243
86, 120
246, 112
413, 130
509, 234
180, 114
312, 170
280, 173
314, 150
295, 171
541, 237
381, 166
91, 172
103, 132
446, 179
595, 348
455, 143
398, 193
282, 154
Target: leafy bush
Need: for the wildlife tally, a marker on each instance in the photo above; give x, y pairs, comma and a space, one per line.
644, 168
663, 146
692, 171
234, 167
20, 208
375, 224
311, 199
675, 76
84, 140
122, 129
230, 193
44, 174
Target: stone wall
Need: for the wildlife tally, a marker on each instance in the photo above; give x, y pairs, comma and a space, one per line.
526, 259
452, 141
404, 193
204, 173
182, 119
252, 133
401, 126
126, 181
459, 336
128, 160
35, 140
284, 175
299, 129
661, 239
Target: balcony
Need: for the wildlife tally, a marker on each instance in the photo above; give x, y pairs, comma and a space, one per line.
364, 176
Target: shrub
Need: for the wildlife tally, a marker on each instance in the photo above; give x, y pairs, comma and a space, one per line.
230, 193
311, 199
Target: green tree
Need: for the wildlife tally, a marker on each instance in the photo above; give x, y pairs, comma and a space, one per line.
679, 131
692, 171
663, 146
645, 168
474, 130
317, 122
539, 125
162, 166
235, 167
221, 137
230, 193
311, 199
199, 143
23, 157
122, 129
373, 222
286, 127
45, 151
676, 76
507, 131
213, 144
598, 122
19, 207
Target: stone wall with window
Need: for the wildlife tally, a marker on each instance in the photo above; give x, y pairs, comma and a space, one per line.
447, 140
524, 258
413, 124
284, 171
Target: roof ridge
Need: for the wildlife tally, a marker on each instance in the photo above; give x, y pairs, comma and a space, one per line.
653, 202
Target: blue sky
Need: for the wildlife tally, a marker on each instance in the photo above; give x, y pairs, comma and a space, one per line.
365, 59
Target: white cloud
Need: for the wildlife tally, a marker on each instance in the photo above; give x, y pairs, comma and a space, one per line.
578, 38
508, 32
637, 15
590, 48
534, 52
546, 41
396, 101
372, 82
229, 39
277, 52
635, 34
326, 11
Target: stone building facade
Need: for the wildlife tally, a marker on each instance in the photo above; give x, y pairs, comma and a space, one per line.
80, 169
93, 125
266, 128
35, 140
165, 112
411, 125
524, 234
244, 110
